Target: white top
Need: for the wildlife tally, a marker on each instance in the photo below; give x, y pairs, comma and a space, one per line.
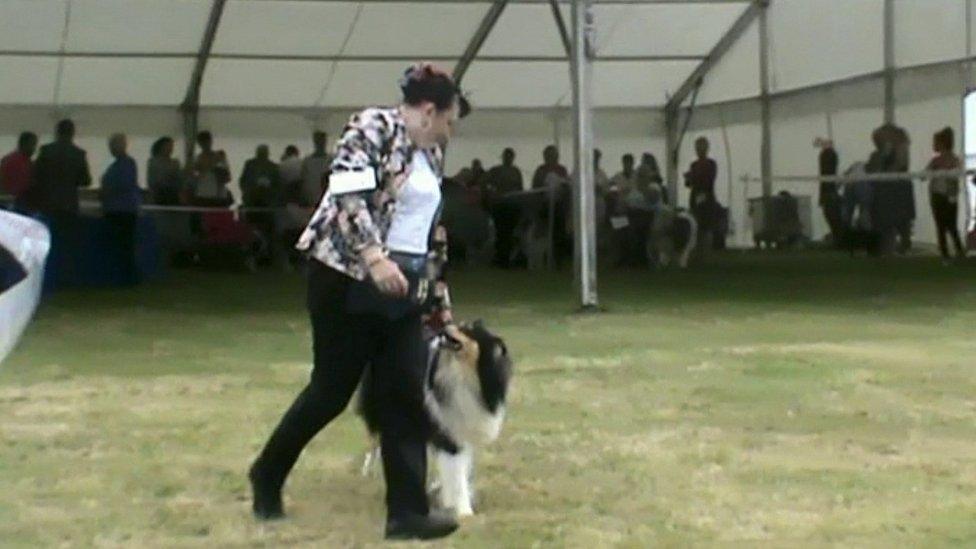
416, 206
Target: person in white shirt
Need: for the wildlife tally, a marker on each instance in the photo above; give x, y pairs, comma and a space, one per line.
625, 180
290, 169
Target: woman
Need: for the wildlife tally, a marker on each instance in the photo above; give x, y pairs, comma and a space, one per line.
370, 246
163, 173
121, 198
944, 193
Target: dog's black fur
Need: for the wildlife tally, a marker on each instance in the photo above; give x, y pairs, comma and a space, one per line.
494, 370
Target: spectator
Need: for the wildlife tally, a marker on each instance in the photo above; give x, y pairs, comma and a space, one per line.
625, 180
944, 193
600, 180
477, 170
893, 202
290, 170
650, 173
503, 180
830, 200
211, 174
121, 196
703, 204
16, 169
315, 168
550, 166
261, 188
700, 178
260, 180
61, 169
163, 174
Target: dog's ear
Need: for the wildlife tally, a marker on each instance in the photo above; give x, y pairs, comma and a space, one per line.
479, 324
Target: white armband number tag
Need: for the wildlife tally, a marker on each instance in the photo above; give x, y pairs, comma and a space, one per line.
352, 182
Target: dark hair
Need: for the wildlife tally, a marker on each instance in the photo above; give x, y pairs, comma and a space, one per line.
945, 139
204, 136
157, 146
509, 152
65, 128
628, 158
424, 83
25, 138
291, 150
650, 160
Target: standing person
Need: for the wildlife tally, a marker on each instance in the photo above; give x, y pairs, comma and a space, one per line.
700, 177
121, 197
893, 200
260, 189
61, 169
371, 244
211, 173
944, 193
830, 200
17, 170
503, 180
601, 182
163, 174
625, 180
550, 165
650, 173
314, 169
290, 170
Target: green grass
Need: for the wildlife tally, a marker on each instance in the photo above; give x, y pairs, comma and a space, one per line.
780, 400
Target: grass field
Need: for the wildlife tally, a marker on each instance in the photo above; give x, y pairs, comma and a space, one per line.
773, 401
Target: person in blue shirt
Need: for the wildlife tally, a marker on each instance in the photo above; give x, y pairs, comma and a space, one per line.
121, 198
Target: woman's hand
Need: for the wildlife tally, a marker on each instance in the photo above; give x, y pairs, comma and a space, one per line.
388, 278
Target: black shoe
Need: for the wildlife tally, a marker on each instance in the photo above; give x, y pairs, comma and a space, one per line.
267, 497
432, 526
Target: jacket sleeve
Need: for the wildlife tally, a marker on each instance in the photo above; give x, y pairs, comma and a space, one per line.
358, 152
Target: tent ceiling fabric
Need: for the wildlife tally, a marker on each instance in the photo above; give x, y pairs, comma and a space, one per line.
328, 53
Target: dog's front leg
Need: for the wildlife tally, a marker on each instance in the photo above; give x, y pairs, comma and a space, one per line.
455, 488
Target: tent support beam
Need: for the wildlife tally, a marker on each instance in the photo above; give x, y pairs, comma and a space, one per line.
766, 152
889, 61
557, 15
584, 206
191, 102
671, 153
673, 106
341, 58
478, 39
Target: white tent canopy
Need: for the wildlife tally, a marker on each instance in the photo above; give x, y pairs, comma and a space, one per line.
278, 68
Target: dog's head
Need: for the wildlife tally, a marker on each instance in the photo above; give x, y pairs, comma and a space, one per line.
484, 358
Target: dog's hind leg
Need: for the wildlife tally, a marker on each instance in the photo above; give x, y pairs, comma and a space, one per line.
455, 487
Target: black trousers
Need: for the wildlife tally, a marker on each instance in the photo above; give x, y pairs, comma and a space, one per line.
946, 214
344, 344
123, 227
831, 205
506, 217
